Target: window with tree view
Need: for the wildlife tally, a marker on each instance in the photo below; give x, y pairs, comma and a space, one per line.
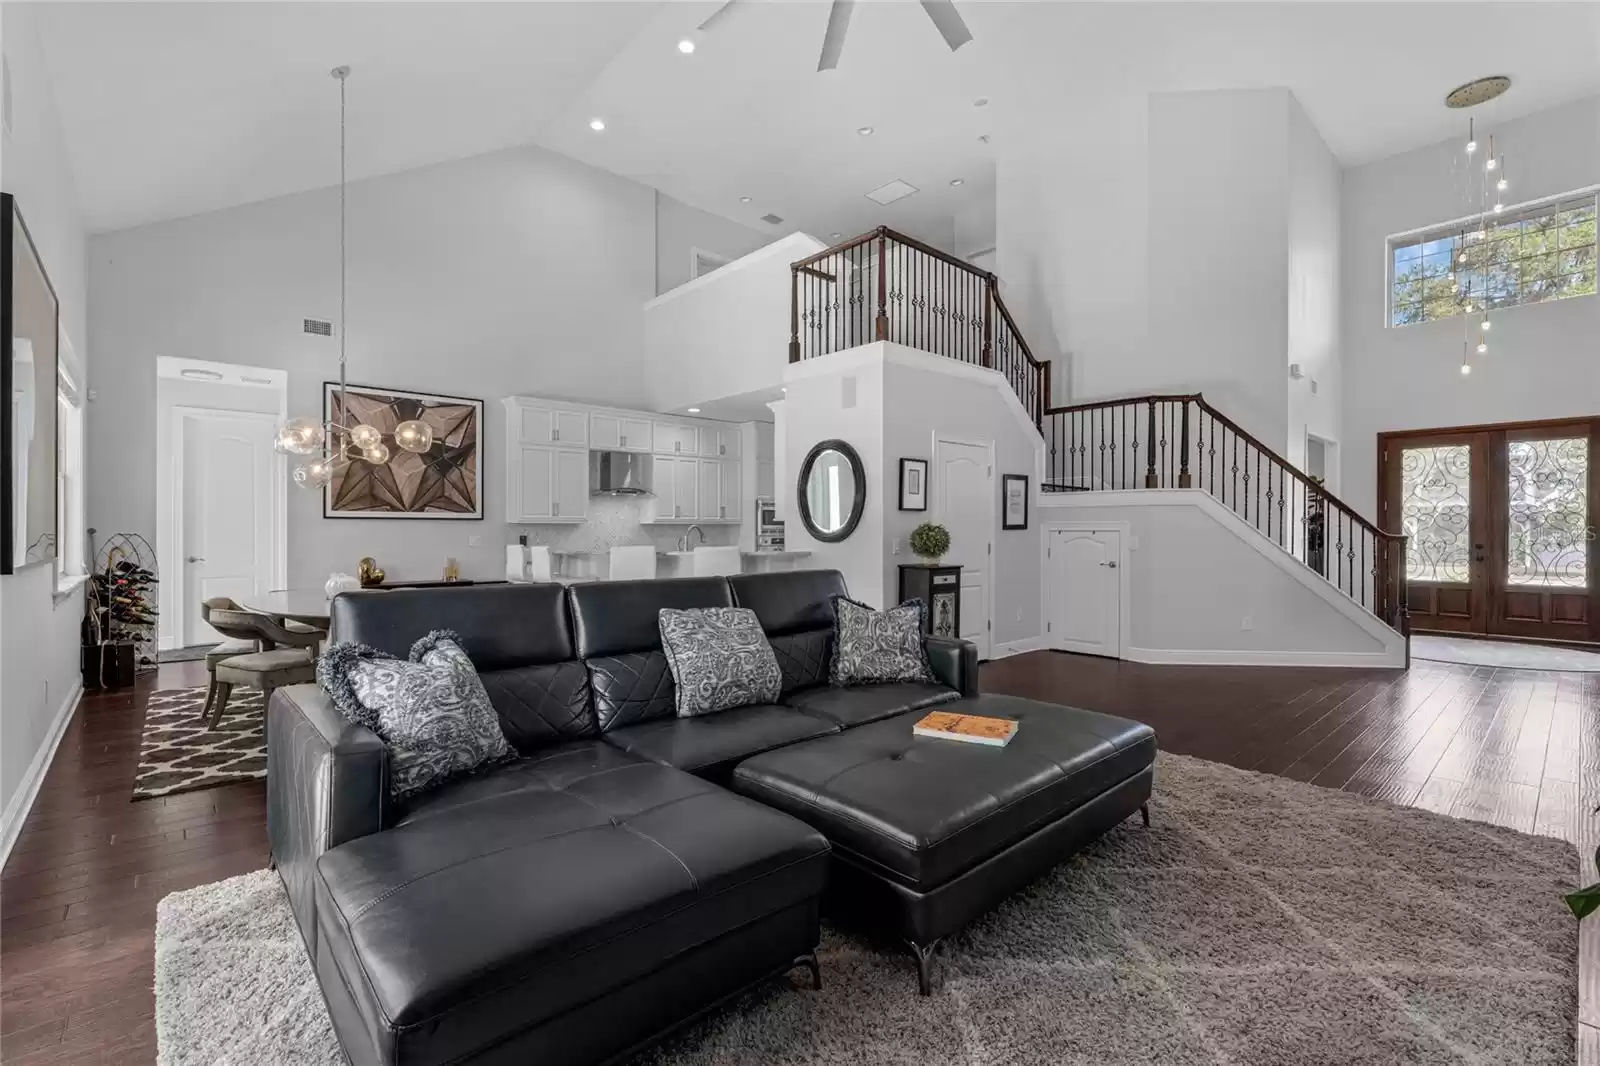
1520, 256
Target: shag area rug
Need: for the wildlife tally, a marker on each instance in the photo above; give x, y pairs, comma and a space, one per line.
178, 754
1258, 921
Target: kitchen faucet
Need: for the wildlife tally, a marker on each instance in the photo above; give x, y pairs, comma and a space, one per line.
683, 541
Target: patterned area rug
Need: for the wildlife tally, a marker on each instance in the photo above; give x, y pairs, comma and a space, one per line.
178, 753
1259, 920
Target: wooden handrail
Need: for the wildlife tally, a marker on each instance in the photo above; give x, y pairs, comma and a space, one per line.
1289, 468
1005, 313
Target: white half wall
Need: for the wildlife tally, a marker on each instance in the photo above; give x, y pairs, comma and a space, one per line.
1199, 575
1544, 359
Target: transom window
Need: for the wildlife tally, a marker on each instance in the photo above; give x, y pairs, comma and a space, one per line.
1524, 255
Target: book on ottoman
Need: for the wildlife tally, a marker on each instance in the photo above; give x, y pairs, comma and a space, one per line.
968, 728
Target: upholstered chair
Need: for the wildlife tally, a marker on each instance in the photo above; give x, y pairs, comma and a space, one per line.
287, 657
227, 649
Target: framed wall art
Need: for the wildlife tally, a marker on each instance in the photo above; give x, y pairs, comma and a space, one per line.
913, 484
1014, 501
446, 481
30, 331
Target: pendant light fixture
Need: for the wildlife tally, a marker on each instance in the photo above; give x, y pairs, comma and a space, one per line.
1486, 184
333, 444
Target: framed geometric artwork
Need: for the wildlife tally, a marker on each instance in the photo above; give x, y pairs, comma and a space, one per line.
446, 481
30, 353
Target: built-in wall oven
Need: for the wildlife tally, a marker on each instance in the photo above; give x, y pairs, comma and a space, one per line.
769, 530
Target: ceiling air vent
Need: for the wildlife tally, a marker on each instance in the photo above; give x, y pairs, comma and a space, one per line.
888, 194
319, 327
771, 219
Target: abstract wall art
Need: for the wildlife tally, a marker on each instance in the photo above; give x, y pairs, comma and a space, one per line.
443, 482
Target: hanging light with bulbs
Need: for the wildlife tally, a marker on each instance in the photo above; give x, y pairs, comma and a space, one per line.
1486, 184
333, 444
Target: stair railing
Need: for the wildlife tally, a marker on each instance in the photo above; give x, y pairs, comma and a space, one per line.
886, 286
1182, 442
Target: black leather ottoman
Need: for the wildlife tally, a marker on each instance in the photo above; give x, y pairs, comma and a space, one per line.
567, 922
927, 834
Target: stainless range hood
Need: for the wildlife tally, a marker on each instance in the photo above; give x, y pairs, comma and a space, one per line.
618, 474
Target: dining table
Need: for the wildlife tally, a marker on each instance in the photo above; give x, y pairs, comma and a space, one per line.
310, 606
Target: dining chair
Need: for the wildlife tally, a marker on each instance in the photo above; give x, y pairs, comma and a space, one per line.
633, 561
226, 649
715, 562
286, 657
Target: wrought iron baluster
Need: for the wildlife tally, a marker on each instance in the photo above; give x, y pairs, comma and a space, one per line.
1150, 480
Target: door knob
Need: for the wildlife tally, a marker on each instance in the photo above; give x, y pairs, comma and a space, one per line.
196, 559
1111, 565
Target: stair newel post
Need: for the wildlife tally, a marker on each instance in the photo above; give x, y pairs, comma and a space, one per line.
881, 326
1042, 401
1151, 479
1184, 481
794, 314
988, 321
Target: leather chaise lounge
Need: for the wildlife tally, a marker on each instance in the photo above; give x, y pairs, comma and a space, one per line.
611, 883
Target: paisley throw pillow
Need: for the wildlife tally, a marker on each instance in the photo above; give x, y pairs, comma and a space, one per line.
720, 659
871, 647
431, 711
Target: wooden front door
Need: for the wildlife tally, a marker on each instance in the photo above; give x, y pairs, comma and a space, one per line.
1500, 522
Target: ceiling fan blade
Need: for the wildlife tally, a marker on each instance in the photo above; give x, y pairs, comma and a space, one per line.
717, 14
948, 22
833, 39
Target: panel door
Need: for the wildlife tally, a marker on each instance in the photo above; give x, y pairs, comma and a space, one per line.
1543, 553
710, 501
572, 427
538, 425
1084, 591
605, 432
227, 513
572, 483
1436, 490
664, 483
537, 483
732, 492
965, 504
730, 438
635, 436
686, 487
710, 441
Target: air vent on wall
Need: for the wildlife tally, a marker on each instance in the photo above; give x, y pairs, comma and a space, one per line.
771, 219
321, 327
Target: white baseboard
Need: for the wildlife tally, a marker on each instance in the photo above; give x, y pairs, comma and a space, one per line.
1189, 657
1017, 647
22, 802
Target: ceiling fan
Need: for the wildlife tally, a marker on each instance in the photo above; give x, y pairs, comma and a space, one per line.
942, 12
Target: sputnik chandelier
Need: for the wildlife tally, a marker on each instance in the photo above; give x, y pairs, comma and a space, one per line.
333, 444
1486, 185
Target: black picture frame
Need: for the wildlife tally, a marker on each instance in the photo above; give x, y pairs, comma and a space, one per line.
1006, 514
917, 483
858, 504
14, 239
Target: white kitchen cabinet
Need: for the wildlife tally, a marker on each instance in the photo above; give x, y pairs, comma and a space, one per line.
677, 488
710, 490
732, 497
719, 442
572, 427
765, 479
545, 424
617, 433
674, 438
549, 484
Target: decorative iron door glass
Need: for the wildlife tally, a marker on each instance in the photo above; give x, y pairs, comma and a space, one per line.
443, 482
1436, 508
1548, 512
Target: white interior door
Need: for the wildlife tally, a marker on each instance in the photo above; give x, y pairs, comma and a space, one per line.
965, 505
1085, 591
226, 512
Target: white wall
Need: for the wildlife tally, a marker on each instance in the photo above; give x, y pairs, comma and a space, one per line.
517, 272
724, 334
680, 228
1544, 359
38, 636
1313, 323
1198, 572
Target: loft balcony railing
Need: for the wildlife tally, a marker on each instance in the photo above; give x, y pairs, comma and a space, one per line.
1182, 442
885, 286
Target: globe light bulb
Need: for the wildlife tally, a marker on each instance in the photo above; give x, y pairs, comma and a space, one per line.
1483, 346
365, 436
414, 436
1502, 184
1462, 258
300, 436
315, 474
377, 455
1472, 146
1484, 325
1468, 309
1499, 208
1490, 163
1466, 368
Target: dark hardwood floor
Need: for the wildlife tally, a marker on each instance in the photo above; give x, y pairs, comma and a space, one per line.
78, 893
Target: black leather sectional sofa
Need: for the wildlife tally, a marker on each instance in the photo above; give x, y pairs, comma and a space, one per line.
611, 883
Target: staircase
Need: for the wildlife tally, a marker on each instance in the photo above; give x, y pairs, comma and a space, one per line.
886, 286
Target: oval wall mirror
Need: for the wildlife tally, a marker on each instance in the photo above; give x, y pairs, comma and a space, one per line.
833, 491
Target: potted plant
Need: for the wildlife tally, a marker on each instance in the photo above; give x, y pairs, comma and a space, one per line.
930, 541
1586, 901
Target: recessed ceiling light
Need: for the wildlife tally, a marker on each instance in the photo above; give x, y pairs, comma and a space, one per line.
786, 388
597, 124
201, 375
694, 410
744, 199
865, 131
957, 181
982, 101
686, 46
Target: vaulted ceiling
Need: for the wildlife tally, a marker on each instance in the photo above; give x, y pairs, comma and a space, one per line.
172, 109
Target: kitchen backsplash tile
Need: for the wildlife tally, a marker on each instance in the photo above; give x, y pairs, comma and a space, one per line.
613, 521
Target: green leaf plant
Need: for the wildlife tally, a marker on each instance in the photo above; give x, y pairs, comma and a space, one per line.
930, 540
1586, 901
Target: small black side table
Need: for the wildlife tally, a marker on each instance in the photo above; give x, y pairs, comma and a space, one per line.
938, 586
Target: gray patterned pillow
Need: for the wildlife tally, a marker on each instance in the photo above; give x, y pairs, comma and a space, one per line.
720, 659
870, 647
431, 711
